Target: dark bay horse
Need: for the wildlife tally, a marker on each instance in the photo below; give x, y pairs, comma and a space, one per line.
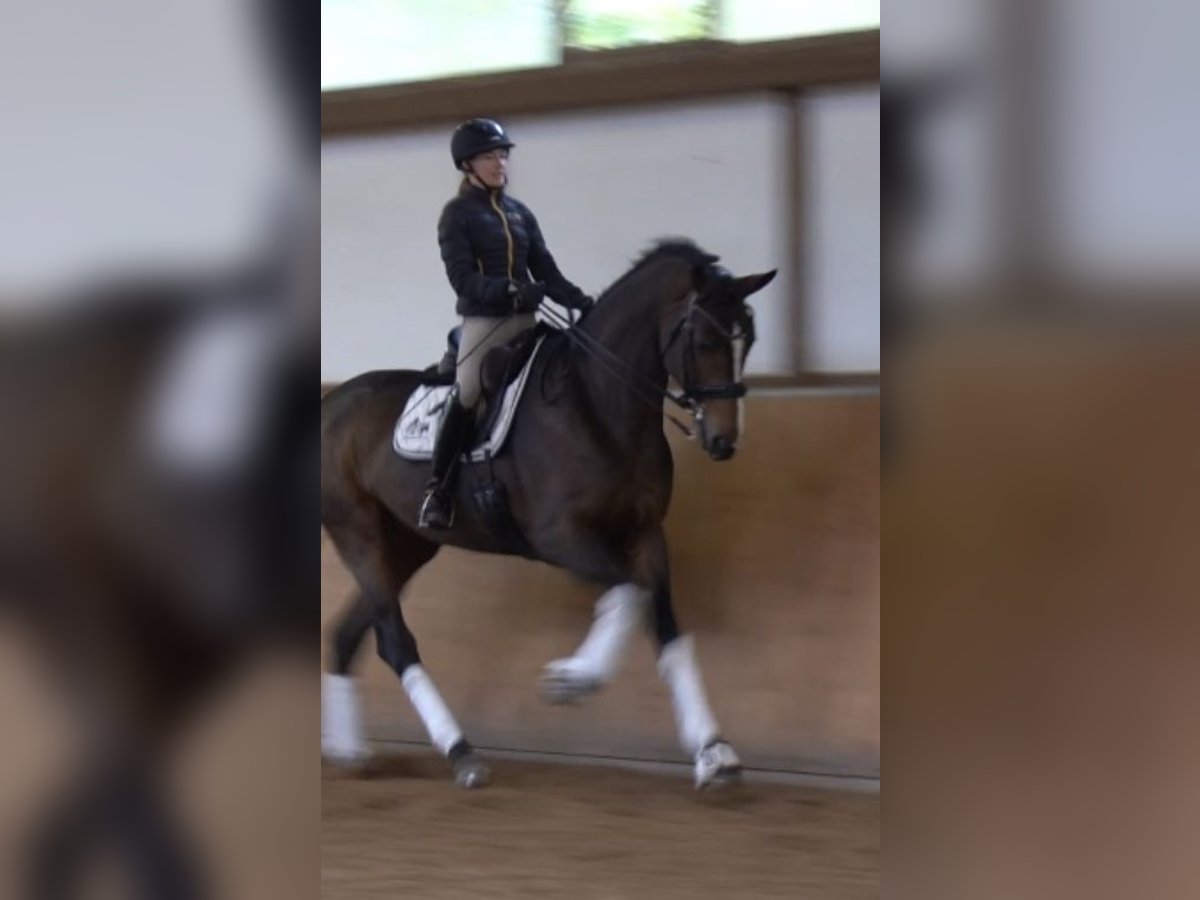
589, 474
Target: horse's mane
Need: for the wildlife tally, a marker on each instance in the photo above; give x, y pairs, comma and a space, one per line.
558, 348
664, 248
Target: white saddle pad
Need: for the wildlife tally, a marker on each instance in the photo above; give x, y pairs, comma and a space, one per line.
418, 426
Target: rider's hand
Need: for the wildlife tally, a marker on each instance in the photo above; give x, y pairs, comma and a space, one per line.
527, 296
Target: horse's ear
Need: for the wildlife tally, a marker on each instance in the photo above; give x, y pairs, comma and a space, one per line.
749, 284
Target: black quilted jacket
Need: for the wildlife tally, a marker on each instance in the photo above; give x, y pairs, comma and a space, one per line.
489, 239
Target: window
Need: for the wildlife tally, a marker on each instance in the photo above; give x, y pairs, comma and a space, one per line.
371, 42
607, 24
759, 20
597, 24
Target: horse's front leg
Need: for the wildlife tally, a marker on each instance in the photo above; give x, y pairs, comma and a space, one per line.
700, 736
619, 612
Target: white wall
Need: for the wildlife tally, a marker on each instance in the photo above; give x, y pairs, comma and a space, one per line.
840, 235
604, 185
1123, 140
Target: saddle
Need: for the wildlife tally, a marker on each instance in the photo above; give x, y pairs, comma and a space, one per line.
500, 366
502, 376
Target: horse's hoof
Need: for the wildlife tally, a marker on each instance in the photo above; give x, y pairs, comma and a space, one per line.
471, 772
563, 682
717, 766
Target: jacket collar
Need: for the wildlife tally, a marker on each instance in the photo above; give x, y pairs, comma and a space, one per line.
472, 190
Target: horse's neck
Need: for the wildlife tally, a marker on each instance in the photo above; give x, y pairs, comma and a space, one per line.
628, 393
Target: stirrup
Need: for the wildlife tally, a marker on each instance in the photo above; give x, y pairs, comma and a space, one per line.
437, 510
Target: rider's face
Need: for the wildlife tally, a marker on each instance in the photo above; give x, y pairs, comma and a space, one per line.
491, 168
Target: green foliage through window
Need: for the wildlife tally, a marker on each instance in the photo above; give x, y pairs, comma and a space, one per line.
596, 24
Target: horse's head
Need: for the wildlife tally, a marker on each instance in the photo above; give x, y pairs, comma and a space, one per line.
706, 349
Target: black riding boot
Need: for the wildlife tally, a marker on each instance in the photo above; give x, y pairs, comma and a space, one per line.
437, 508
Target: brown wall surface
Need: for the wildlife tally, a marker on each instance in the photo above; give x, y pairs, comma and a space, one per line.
775, 558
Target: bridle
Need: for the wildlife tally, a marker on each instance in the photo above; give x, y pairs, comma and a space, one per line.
693, 396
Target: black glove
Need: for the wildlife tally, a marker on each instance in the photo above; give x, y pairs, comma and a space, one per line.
585, 304
526, 297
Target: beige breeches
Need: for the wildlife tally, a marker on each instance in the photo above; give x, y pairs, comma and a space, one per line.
479, 335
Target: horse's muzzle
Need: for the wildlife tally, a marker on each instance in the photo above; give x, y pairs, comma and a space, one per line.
721, 448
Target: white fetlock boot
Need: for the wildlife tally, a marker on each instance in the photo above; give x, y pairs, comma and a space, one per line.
341, 721
715, 761
619, 612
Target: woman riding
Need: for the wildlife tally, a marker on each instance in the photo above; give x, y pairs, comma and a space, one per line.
491, 245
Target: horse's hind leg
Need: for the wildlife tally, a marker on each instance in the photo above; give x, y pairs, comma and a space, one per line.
341, 719
398, 649
364, 535
383, 555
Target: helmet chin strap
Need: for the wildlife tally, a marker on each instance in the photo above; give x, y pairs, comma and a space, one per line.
478, 181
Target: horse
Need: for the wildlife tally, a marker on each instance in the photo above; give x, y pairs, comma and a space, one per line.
588, 473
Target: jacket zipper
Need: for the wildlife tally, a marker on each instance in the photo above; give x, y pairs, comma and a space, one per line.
507, 233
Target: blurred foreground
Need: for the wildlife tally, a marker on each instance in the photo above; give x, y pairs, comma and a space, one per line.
158, 371
1041, 445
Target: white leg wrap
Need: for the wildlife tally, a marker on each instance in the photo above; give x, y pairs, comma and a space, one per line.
678, 668
341, 720
618, 614
443, 730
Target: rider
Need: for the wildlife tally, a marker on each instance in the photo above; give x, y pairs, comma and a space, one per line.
491, 244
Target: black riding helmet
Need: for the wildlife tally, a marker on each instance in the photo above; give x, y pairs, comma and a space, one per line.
476, 136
